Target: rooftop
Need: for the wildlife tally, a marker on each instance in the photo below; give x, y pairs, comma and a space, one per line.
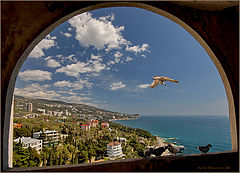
26, 140
85, 125
113, 143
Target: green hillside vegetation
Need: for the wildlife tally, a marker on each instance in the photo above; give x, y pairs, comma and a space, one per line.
80, 146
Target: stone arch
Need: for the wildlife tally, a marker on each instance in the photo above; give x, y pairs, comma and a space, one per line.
58, 12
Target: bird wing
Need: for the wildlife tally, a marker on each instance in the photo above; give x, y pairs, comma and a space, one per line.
203, 148
154, 83
156, 77
163, 78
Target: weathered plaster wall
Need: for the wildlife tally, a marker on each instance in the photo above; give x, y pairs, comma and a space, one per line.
24, 24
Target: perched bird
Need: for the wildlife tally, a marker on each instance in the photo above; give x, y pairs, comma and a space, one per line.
204, 149
160, 80
159, 151
148, 152
174, 149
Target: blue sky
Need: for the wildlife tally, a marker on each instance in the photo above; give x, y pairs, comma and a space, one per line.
107, 58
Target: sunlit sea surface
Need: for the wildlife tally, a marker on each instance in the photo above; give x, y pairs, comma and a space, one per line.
188, 131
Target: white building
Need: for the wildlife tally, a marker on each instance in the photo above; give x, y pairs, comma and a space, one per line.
30, 142
29, 107
114, 149
48, 137
50, 112
121, 140
41, 110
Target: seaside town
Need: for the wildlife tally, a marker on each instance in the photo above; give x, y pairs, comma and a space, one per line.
50, 133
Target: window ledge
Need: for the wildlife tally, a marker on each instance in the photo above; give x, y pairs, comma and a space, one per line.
215, 161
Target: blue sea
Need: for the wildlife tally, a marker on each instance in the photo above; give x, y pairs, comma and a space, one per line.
188, 131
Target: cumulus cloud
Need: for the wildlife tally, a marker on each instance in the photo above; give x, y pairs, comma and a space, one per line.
99, 33
118, 55
74, 99
138, 49
66, 34
47, 58
74, 69
53, 63
35, 75
94, 65
70, 58
77, 85
36, 91
117, 85
106, 18
144, 85
59, 56
81, 83
45, 44
62, 84
67, 92
129, 59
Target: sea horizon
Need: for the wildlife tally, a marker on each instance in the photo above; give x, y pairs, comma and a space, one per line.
183, 115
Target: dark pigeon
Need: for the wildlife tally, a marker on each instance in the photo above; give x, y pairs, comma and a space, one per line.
148, 152
159, 151
174, 149
204, 149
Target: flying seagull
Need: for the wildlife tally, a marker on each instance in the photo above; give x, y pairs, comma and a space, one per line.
204, 149
160, 80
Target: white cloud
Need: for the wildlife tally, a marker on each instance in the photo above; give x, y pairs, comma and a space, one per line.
62, 84
117, 85
94, 65
138, 49
66, 34
71, 58
129, 59
70, 29
59, 56
144, 85
67, 92
118, 55
109, 17
53, 63
74, 69
35, 75
99, 33
74, 99
77, 85
46, 43
47, 58
36, 91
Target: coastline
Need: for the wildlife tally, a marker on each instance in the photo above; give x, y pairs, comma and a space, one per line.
159, 143
123, 119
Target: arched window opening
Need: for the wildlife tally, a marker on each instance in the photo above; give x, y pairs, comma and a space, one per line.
223, 54
95, 70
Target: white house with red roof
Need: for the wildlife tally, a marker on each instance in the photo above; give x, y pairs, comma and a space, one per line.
114, 149
106, 124
93, 123
85, 126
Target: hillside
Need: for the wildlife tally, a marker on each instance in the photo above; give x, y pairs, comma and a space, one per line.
60, 108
